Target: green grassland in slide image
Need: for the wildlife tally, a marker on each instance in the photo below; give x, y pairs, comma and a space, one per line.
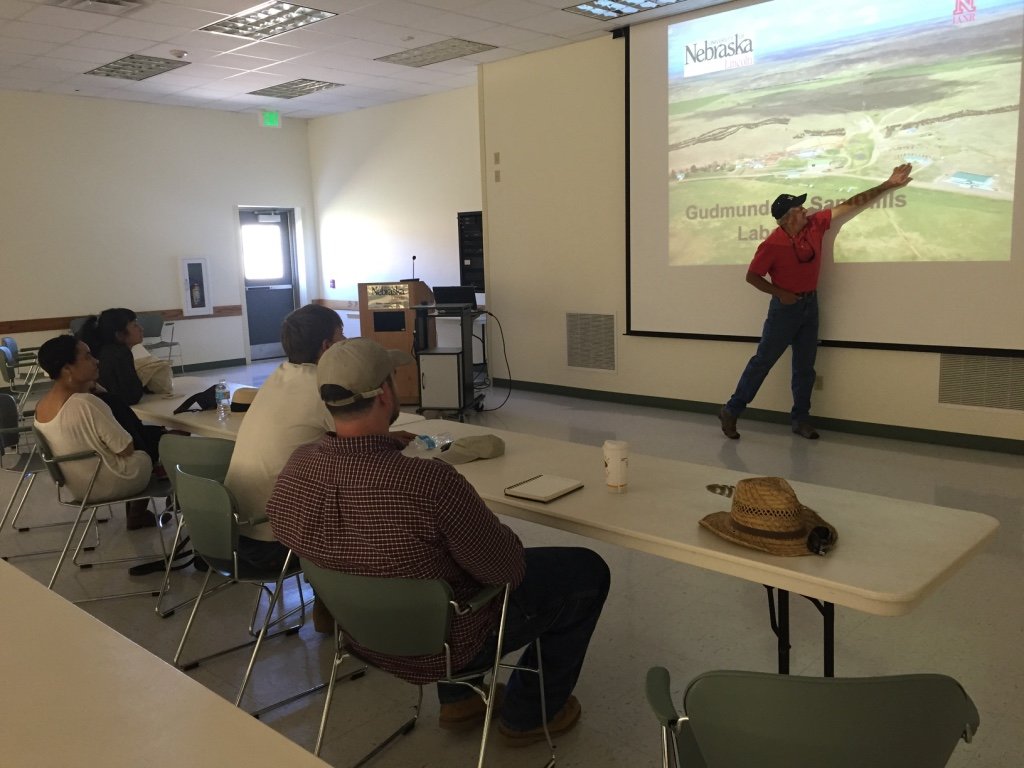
933, 225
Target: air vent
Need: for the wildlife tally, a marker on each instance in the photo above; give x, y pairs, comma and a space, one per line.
590, 341
445, 50
106, 7
137, 67
988, 382
295, 88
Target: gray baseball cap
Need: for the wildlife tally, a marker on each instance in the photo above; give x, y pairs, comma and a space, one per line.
359, 366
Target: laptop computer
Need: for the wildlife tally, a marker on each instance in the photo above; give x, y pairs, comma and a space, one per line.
455, 294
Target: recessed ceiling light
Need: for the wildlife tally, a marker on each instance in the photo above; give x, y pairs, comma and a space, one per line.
616, 9
267, 20
445, 50
294, 88
107, 7
137, 67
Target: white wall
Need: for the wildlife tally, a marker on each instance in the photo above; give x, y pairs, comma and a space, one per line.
388, 183
556, 244
100, 199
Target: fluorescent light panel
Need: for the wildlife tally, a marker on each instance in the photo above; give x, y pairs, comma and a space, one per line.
616, 9
295, 88
453, 48
267, 20
137, 67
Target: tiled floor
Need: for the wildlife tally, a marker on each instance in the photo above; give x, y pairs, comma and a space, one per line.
658, 612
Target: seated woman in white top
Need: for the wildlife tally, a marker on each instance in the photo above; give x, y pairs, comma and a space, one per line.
73, 420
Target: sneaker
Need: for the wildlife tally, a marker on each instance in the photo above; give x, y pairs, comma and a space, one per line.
728, 424
804, 429
469, 712
563, 722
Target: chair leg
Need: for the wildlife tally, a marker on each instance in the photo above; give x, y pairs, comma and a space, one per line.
166, 585
339, 658
67, 546
267, 621
192, 617
25, 473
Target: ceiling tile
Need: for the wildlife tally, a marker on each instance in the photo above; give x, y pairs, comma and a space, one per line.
44, 32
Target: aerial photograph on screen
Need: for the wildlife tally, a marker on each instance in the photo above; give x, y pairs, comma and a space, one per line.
774, 98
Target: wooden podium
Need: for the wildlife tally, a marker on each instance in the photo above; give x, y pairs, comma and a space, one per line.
387, 317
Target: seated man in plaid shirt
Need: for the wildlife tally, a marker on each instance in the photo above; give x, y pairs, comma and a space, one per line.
353, 502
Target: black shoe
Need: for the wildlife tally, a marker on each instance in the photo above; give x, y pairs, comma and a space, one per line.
728, 424
804, 429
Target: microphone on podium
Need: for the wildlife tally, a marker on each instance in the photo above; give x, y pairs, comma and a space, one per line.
413, 268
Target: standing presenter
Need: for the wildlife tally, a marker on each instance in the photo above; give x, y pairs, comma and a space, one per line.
791, 258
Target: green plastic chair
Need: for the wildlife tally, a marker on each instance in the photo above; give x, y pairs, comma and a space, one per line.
408, 617
210, 456
209, 511
742, 719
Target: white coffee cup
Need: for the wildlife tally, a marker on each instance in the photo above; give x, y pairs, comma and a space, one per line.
616, 465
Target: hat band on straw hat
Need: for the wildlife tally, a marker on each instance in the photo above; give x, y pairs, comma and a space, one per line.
769, 534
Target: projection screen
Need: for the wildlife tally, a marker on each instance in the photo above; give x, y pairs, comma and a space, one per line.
729, 109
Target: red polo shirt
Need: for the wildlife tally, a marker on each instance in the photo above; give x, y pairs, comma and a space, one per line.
793, 263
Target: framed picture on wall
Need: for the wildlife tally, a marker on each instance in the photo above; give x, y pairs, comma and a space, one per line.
195, 286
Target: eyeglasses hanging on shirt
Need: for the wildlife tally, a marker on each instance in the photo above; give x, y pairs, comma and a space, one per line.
801, 249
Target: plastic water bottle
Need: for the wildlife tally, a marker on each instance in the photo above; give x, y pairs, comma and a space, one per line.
223, 398
433, 442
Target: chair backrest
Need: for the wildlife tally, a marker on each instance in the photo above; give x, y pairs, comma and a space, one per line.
11, 344
7, 369
398, 617
208, 509
781, 721
53, 462
76, 324
8, 421
212, 454
152, 324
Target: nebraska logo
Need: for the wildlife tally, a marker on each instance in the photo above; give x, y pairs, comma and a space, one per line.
963, 12
715, 55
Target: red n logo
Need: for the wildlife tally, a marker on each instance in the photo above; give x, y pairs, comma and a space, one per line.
964, 6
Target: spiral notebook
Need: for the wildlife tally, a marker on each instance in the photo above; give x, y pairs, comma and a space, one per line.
543, 488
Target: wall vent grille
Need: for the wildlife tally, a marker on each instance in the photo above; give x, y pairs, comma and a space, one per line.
988, 382
590, 341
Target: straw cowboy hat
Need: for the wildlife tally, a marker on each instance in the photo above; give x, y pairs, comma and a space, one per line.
767, 515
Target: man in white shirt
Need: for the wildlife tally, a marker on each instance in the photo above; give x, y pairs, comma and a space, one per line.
287, 412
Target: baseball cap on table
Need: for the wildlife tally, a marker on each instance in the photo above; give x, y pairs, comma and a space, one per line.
783, 204
359, 366
474, 447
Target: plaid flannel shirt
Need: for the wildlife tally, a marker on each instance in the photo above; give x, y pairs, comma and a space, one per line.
359, 506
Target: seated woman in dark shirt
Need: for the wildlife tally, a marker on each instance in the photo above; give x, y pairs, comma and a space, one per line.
111, 336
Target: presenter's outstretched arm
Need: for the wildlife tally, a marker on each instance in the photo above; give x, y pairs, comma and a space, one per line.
900, 177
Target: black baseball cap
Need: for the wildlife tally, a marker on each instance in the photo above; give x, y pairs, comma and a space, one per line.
784, 203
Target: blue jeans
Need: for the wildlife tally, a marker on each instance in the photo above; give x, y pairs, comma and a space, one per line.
793, 325
558, 601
